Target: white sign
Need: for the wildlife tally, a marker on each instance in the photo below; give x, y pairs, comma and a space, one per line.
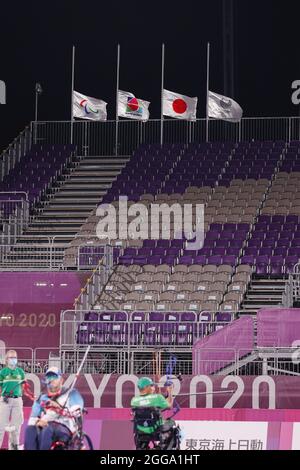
296, 437
223, 435
2, 92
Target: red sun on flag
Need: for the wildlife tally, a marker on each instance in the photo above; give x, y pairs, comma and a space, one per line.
133, 104
179, 106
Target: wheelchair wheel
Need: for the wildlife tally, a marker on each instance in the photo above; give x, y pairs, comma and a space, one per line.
59, 445
86, 442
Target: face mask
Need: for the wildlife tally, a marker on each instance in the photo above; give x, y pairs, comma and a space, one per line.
12, 361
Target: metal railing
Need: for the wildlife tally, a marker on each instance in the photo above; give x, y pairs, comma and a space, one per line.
263, 361
259, 361
14, 215
77, 331
99, 138
39, 252
15, 151
293, 289
95, 284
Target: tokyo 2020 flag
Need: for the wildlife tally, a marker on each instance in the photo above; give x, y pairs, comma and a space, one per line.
222, 107
179, 106
86, 107
131, 107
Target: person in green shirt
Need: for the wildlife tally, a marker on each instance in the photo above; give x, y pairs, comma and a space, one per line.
11, 403
150, 422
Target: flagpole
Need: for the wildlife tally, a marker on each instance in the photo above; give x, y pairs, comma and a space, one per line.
162, 94
117, 99
72, 91
207, 92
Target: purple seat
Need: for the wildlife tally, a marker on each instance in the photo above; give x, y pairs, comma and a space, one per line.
216, 260
292, 218
222, 243
178, 242
219, 251
130, 252
223, 317
281, 251
140, 260
255, 243
205, 316
276, 265
294, 251
200, 259
156, 316
151, 334
144, 251
290, 262
163, 244
159, 251
186, 260
248, 259
91, 316
229, 260
169, 260
268, 251
188, 316
250, 251
149, 243
155, 260
278, 219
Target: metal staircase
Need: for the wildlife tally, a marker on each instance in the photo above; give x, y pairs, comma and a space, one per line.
263, 292
64, 210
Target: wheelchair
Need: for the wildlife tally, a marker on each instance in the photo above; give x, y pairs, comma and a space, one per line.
165, 435
78, 440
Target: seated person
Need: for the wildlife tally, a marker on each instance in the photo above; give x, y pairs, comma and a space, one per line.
148, 398
47, 423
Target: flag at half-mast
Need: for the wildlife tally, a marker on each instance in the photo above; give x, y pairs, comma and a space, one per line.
86, 107
222, 107
131, 107
179, 106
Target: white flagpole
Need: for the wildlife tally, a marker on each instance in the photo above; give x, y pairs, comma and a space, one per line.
207, 92
72, 91
162, 94
117, 99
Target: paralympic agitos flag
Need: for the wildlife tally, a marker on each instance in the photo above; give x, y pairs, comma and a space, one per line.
86, 107
131, 107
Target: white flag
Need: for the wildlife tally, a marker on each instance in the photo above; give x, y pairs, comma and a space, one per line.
179, 106
131, 107
85, 107
222, 107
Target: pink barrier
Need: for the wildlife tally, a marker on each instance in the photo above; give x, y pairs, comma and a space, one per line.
278, 327
111, 429
220, 349
31, 303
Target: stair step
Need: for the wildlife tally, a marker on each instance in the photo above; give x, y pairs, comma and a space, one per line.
92, 172
101, 183
79, 193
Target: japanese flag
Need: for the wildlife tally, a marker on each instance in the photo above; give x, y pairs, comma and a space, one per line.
179, 106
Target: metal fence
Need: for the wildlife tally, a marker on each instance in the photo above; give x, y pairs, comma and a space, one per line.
99, 138
79, 329
32, 253
14, 216
152, 361
260, 361
103, 264
17, 149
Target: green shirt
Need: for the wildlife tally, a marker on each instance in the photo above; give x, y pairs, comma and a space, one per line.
154, 401
9, 381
